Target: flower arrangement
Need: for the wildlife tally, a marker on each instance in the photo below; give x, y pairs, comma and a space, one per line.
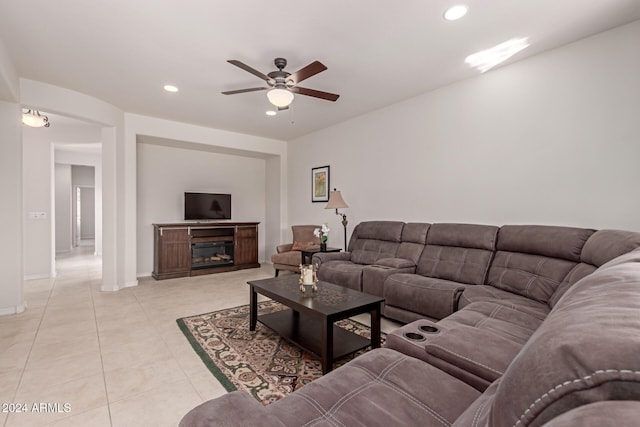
322, 233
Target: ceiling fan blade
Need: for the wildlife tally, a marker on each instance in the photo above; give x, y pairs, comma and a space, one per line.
253, 89
250, 70
315, 93
306, 72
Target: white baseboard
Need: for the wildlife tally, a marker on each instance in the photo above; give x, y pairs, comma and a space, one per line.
131, 284
12, 310
145, 274
117, 288
36, 276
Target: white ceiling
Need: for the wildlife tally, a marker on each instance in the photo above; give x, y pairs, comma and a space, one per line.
377, 52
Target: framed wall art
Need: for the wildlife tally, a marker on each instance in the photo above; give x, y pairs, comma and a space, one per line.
320, 184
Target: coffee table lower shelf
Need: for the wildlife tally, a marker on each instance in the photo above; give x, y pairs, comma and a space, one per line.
306, 332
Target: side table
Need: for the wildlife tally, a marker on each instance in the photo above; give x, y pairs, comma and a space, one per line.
308, 253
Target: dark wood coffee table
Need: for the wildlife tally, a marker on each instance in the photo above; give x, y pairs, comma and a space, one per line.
309, 323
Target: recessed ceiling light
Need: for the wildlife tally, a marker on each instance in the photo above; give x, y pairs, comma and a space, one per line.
271, 113
455, 12
170, 88
489, 58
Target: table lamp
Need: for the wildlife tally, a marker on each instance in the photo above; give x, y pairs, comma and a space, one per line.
337, 202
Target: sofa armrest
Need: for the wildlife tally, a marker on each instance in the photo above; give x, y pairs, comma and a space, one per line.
233, 409
480, 352
395, 263
320, 257
374, 276
284, 248
426, 296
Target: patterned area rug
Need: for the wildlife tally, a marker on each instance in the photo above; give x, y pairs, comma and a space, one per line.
259, 362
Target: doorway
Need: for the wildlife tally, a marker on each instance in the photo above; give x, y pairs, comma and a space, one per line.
85, 216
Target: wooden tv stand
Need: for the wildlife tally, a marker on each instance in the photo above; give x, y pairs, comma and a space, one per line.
194, 248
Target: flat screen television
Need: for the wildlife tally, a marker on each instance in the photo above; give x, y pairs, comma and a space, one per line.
199, 206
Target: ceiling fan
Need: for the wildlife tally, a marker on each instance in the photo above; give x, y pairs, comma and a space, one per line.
281, 85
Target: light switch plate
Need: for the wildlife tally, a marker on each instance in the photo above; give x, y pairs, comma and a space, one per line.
37, 215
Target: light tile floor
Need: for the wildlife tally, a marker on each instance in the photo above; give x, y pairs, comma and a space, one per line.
118, 359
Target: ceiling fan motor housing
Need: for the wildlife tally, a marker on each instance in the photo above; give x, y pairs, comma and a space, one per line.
280, 76
280, 63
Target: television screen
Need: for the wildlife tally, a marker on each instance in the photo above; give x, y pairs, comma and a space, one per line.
207, 206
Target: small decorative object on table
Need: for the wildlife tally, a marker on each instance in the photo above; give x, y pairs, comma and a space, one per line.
308, 276
323, 234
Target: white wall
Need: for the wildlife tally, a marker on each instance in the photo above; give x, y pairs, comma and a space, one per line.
11, 249
37, 165
549, 140
63, 208
165, 173
275, 188
9, 81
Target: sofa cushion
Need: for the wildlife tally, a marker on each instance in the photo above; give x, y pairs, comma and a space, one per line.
463, 235
414, 237
555, 372
516, 302
374, 276
605, 245
477, 414
233, 409
320, 258
483, 353
601, 247
373, 240
545, 240
514, 323
379, 230
578, 272
301, 246
304, 233
344, 273
287, 258
600, 414
380, 388
532, 276
458, 252
395, 263
533, 260
370, 251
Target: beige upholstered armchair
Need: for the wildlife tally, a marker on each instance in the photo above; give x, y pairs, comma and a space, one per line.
288, 256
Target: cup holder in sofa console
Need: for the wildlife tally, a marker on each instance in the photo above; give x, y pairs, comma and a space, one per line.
413, 336
429, 329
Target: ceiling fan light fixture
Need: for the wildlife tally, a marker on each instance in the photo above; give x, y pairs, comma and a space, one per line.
34, 119
280, 97
271, 113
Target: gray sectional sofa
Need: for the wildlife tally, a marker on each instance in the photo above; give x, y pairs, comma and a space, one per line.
507, 326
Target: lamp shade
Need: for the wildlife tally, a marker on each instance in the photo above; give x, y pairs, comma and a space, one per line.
336, 201
280, 97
